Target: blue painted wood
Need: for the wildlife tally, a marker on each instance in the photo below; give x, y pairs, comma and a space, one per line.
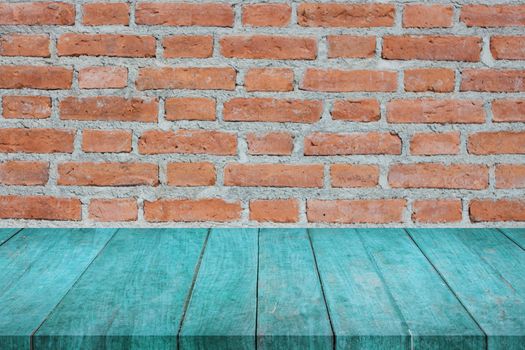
291, 312
222, 310
6, 233
515, 234
385, 294
131, 297
485, 270
37, 268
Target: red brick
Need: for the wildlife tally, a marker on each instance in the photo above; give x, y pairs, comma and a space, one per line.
510, 176
333, 80
266, 15
436, 111
437, 211
497, 142
508, 110
433, 143
354, 175
188, 210
185, 14
188, 46
109, 108
497, 210
269, 79
103, 77
493, 15
372, 211
492, 80
190, 108
191, 174
356, 110
345, 15
269, 47
106, 141
113, 45
40, 208
271, 143
508, 47
195, 78
429, 79
273, 175
107, 174
274, 210
25, 173
427, 16
188, 142
351, 46
37, 13
435, 47
37, 107
36, 140
35, 77
272, 110
24, 45
332, 144
437, 175
112, 210
97, 14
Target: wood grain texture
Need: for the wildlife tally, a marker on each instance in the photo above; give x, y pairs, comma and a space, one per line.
38, 267
6, 233
131, 297
291, 310
416, 299
515, 234
485, 270
222, 311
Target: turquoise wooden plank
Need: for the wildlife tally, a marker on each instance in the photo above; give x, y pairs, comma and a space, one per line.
37, 268
292, 313
222, 311
408, 286
485, 270
131, 297
6, 233
515, 234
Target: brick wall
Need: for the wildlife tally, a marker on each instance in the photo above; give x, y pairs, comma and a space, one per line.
251, 113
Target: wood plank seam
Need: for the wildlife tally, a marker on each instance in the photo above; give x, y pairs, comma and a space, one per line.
257, 287
322, 289
14, 234
485, 336
510, 238
192, 286
31, 338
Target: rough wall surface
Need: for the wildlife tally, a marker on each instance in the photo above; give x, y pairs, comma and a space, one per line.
245, 113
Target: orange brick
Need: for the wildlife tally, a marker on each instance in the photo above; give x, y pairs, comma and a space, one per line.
493, 15
333, 80
429, 79
436, 111
508, 110
40, 208
350, 46
184, 14
331, 144
188, 46
354, 175
190, 108
191, 174
112, 210
372, 211
37, 107
24, 45
196, 78
430, 143
113, 45
274, 210
497, 142
97, 14
269, 79
103, 78
356, 110
510, 176
24, 173
105, 141
437, 175
273, 175
35, 77
508, 47
109, 108
437, 211
271, 143
432, 48
188, 142
492, 80
37, 13
427, 16
272, 110
497, 210
107, 174
345, 15
188, 210
269, 47
35, 140
266, 15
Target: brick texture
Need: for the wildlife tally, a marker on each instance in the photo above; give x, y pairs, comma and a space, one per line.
250, 113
